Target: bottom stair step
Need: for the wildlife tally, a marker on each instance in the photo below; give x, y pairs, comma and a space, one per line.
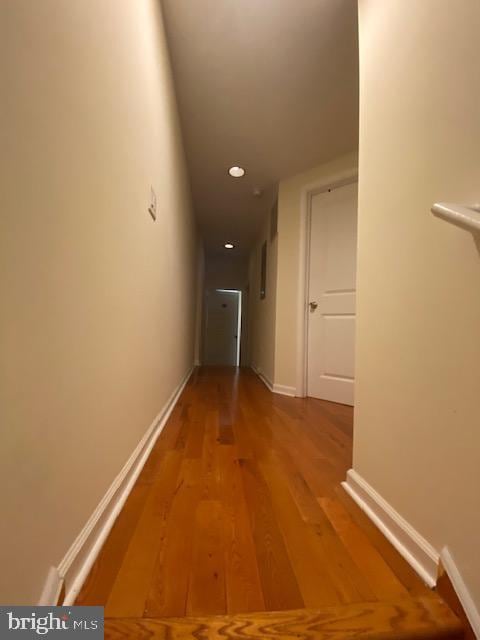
422, 618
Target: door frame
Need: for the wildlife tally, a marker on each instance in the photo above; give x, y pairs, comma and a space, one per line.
308, 192
240, 321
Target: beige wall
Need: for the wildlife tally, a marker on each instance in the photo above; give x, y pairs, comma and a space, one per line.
417, 421
200, 292
229, 271
97, 321
288, 265
262, 312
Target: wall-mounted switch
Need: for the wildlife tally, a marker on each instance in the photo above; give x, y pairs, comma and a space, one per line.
152, 209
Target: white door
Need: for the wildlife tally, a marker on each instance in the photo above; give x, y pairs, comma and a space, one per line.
222, 319
332, 283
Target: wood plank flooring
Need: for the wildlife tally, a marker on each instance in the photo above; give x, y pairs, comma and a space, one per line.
411, 619
239, 509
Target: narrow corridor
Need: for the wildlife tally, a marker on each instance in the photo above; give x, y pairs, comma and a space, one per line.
239, 509
224, 224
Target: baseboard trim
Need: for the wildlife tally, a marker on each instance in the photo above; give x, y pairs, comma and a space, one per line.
417, 551
76, 565
266, 381
274, 388
461, 589
284, 390
51, 589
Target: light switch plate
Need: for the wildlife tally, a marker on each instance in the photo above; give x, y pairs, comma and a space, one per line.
152, 209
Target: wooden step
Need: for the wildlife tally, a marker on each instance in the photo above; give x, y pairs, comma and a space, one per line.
422, 618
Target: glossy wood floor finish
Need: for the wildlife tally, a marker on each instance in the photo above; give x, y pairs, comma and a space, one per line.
239, 509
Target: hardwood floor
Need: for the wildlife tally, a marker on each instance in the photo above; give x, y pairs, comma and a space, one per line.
239, 509
411, 619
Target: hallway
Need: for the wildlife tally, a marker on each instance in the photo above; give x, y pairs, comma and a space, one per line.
239, 509
190, 185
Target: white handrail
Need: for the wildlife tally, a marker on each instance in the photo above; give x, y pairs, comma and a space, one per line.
465, 216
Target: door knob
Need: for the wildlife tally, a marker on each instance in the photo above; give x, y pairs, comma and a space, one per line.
313, 305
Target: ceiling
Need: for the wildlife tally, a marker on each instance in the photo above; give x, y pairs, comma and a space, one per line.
270, 85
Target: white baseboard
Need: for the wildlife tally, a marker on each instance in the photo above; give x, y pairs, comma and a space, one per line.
51, 588
274, 388
76, 565
419, 553
461, 589
284, 390
266, 381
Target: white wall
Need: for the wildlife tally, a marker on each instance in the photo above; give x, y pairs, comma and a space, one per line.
288, 261
417, 418
97, 321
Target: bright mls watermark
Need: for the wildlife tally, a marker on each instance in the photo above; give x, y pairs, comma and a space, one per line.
51, 622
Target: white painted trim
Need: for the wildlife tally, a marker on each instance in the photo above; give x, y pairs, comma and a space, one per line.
281, 389
239, 327
284, 390
266, 381
333, 182
76, 565
461, 589
51, 588
419, 553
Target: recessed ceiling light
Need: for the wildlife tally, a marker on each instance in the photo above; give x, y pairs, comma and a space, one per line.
229, 245
236, 172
